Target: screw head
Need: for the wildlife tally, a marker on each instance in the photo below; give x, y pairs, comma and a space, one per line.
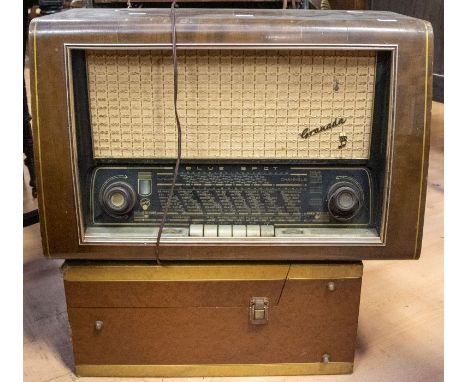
326, 358
98, 324
331, 286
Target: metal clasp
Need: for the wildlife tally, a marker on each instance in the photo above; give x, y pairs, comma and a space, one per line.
259, 310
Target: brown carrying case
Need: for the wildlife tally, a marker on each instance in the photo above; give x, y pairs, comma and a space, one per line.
136, 319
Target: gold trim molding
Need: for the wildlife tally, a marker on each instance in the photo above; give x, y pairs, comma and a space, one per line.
214, 370
84, 238
421, 185
325, 271
131, 271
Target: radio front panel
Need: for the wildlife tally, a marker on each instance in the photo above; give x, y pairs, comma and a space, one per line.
233, 200
233, 104
276, 143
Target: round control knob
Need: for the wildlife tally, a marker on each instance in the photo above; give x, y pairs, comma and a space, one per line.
118, 198
344, 200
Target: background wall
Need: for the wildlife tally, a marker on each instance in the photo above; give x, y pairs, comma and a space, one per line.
432, 11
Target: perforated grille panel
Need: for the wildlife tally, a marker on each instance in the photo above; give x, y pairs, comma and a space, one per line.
249, 104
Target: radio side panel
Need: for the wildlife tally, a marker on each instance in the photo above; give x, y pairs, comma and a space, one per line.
409, 117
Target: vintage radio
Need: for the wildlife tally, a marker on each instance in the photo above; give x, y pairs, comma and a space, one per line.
304, 134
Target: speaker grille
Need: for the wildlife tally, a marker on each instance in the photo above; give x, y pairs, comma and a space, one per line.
233, 104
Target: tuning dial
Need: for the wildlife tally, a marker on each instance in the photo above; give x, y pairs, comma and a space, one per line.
118, 198
344, 200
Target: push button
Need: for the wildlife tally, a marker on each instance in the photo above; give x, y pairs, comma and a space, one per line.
225, 230
239, 230
253, 230
196, 230
267, 230
210, 230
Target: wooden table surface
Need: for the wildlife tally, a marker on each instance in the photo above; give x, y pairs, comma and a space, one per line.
400, 336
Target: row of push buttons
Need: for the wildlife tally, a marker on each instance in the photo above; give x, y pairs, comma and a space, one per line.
213, 230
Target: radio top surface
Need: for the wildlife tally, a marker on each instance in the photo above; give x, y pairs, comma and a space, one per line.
304, 134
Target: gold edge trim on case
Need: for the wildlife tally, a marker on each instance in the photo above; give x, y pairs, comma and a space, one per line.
338, 271
39, 154
214, 370
173, 273
421, 185
181, 273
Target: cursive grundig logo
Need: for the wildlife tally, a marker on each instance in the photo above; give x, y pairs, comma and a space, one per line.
307, 133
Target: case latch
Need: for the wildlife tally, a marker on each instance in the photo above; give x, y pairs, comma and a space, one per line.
259, 310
